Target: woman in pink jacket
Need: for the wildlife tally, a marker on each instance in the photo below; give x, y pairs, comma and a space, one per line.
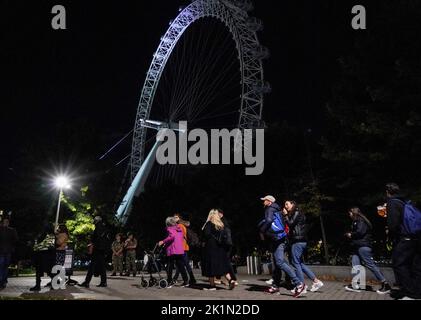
175, 250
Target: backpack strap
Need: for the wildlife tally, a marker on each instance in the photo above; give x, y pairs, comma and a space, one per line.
401, 201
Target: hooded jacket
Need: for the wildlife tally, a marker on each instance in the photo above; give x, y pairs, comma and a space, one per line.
174, 241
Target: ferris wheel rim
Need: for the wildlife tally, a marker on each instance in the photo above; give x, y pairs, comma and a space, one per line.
251, 66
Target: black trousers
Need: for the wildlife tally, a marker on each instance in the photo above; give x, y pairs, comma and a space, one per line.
178, 260
406, 259
97, 267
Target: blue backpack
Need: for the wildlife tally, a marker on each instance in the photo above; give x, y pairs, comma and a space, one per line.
411, 219
277, 228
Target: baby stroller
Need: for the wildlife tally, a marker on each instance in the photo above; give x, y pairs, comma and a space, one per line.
152, 264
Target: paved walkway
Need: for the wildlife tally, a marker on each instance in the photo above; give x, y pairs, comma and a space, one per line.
128, 288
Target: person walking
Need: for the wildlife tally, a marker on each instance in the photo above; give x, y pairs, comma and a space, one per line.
117, 248
273, 219
130, 245
406, 252
8, 240
362, 253
183, 226
215, 261
98, 247
44, 255
175, 251
228, 245
297, 237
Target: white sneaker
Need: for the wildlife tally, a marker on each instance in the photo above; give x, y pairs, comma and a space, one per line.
316, 286
300, 290
269, 282
352, 288
295, 289
407, 298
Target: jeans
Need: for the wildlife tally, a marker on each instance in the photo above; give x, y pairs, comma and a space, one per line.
365, 255
406, 259
4, 268
279, 256
297, 251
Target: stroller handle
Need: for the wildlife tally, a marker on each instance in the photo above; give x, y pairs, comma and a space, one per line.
155, 248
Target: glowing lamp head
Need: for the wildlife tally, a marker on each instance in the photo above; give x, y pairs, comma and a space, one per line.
62, 182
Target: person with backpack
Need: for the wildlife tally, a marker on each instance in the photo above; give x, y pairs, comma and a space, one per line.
362, 252
184, 226
297, 237
215, 262
404, 227
98, 246
274, 228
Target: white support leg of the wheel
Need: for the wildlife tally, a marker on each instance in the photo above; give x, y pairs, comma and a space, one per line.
137, 185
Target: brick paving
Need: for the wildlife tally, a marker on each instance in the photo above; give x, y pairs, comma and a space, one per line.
128, 288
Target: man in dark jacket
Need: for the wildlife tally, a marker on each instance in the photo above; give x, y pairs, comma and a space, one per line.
8, 240
99, 244
278, 248
406, 254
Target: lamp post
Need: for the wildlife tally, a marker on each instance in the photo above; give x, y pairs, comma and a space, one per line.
61, 182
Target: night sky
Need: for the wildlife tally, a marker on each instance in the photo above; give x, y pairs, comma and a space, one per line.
94, 70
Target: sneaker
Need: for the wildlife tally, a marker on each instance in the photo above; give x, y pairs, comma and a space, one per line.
36, 288
385, 289
295, 289
272, 290
102, 285
406, 298
316, 286
352, 289
218, 282
300, 290
210, 288
171, 284
185, 285
231, 284
84, 284
269, 282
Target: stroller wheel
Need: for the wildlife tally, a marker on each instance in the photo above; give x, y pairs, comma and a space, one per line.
163, 283
152, 282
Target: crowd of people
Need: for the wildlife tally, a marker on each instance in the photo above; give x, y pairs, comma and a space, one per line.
403, 230
284, 228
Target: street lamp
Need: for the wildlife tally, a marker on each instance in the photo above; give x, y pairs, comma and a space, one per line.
61, 183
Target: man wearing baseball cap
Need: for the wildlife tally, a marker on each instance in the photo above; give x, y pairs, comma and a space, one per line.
278, 249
